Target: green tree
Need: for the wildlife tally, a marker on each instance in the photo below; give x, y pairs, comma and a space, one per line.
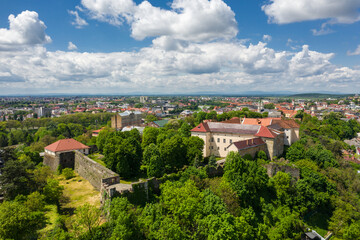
150, 151
68, 173
150, 118
211, 115
295, 152
212, 161
200, 116
87, 218
185, 130
16, 178
150, 135
282, 184
261, 155
35, 202
353, 231
63, 129
75, 129
53, 191
156, 167
173, 124
123, 220
3, 139
17, 221
269, 106
194, 149
101, 139
173, 151
123, 155
11, 139
246, 178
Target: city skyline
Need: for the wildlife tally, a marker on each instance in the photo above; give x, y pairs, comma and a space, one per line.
180, 46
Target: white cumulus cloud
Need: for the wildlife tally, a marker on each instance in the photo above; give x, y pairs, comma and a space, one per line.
191, 20
114, 12
192, 67
267, 38
187, 20
356, 52
25, 29
71, 46
289, 11
78, 21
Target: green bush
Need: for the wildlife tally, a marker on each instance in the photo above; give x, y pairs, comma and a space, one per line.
68, 173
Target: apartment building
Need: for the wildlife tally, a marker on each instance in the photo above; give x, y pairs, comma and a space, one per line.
127, 118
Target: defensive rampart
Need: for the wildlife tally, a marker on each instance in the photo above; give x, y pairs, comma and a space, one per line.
94, 172
87, 168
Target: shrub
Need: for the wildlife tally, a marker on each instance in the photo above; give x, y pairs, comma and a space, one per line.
68, 173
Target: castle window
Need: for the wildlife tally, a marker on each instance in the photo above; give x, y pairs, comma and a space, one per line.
224, 140
230, 140
218, 140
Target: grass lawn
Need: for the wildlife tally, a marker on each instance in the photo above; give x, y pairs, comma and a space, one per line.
97, 157
77, 192
51, 215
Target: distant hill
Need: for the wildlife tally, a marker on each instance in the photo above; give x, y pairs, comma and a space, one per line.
319, 95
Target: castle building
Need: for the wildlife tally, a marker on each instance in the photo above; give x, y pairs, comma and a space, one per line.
127, 118
222, 138
289, 126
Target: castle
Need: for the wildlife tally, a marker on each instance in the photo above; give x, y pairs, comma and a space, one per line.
270, 136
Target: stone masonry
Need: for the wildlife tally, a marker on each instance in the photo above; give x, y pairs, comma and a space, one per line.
92, 171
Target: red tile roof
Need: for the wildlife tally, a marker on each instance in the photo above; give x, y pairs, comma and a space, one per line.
258, 121
245, 129
290, 113
265, 132
99, 130
202, 127
254, 142
65, 145
233, 120
286, 124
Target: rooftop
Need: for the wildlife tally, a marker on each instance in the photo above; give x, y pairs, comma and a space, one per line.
65, 145
127, 113
254, 142
244, 129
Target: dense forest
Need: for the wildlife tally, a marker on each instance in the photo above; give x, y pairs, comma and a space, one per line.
244, 203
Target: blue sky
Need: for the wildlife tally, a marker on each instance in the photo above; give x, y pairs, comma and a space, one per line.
179, 46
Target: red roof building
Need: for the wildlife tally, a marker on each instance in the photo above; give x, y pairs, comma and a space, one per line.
220, 138
289, 126
66, 145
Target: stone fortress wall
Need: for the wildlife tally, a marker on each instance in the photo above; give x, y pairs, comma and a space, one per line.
87, 168
108, 182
